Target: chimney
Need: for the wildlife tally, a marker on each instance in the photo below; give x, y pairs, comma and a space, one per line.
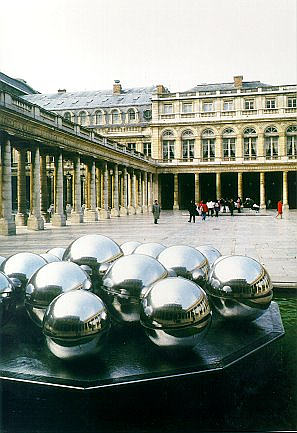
62, 91
238, 81
160, 89
117, 87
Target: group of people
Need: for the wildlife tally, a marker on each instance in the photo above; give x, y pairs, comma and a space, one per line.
212, 208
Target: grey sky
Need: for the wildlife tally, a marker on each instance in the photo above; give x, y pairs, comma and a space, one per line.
85, 45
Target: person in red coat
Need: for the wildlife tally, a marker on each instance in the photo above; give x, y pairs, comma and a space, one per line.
279, 209
204, 209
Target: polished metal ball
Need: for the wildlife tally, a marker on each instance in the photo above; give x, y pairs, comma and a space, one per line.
50, 257
125, 283
58, 252
239, 287
175, 313
186, 262
7, 299
210, 252
21, 266
129, 247
152, 249
76, 324
50, 281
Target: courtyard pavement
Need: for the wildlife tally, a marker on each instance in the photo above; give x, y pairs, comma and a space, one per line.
271, 241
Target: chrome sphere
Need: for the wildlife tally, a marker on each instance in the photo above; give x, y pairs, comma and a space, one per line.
92, 250
210, 252
75, 324
175, 313
50, 257
186, 262
58, 252
21, 266
129, 247
239, 287
50, 281
7, 299
152, 249
125, 283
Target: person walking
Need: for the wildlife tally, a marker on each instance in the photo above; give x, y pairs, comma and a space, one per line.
239, 203
217, 207
279, 209
156, 210
231, 206
210, 206
204, 209
192, 211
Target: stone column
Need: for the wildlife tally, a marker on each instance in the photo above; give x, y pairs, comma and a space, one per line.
218, 186
140, 196
59, 219
262, 191
69, 183
156, 188
98, 188
104, 213
124, 208
44, 189
7, 224
115, 211
21, 216
239, 185
150, 198
285, 191
145, 194
175, 192
91, 212
132, 208
35, 221
76, 214
197, 188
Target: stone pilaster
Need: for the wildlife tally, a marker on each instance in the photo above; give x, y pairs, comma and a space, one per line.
124, 208
7, 224
115, 211
197, 188
21, 216
76, 214
285, 191
35, 221
59, 219
132, 208
262, 191
140, 195
91, 212
260, 147
175, 192
218, 186
239, 185
104, 213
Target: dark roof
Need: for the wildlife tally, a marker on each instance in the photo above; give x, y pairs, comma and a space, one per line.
93, 99
227, 86
17, 83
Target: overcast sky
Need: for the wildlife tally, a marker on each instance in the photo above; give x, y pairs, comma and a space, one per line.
87, 44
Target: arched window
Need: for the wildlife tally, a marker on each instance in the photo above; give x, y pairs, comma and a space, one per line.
82, 118
208, 145
131, 115
292, 142
67, 116
115, 116
168, 145
229, 140
271, 142
99, 117
250, 143
188, 145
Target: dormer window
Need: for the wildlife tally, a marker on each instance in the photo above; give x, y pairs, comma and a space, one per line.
67, 116
131, 115
82, 118
115, 116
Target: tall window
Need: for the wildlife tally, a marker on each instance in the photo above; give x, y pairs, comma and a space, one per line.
208, 145
115, 116
292, 142
207, 106
82, 118
229, 144
168, 144
147, 149
188, 145
249, 104
187, 107
270, 103
131, 115
249, 143
292, 101
271, 142
67, 116
228, 105
99, 117
168, 109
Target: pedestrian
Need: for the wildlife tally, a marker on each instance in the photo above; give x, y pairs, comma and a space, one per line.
51, 211
279, 209
156, 211
204, 209
239, 203
192, 211
210, 206
231, 206
217, 207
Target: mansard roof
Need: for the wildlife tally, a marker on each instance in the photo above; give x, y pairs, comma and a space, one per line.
227, 86
93, 99
17, 84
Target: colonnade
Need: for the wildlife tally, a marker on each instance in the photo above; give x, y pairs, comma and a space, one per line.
87, 190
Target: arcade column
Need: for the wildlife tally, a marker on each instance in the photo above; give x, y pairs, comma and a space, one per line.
115, 211
58, 218
124, 208
239, 185
140, 196
285, 191
91, 212
104, 213
145, 193
76, 214
262, 191
175, 192
218, 186
7, 224
35, 221
197, 188
132, 207
150, 191
21, 216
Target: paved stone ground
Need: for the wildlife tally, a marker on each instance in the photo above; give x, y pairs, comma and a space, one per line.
271, 241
